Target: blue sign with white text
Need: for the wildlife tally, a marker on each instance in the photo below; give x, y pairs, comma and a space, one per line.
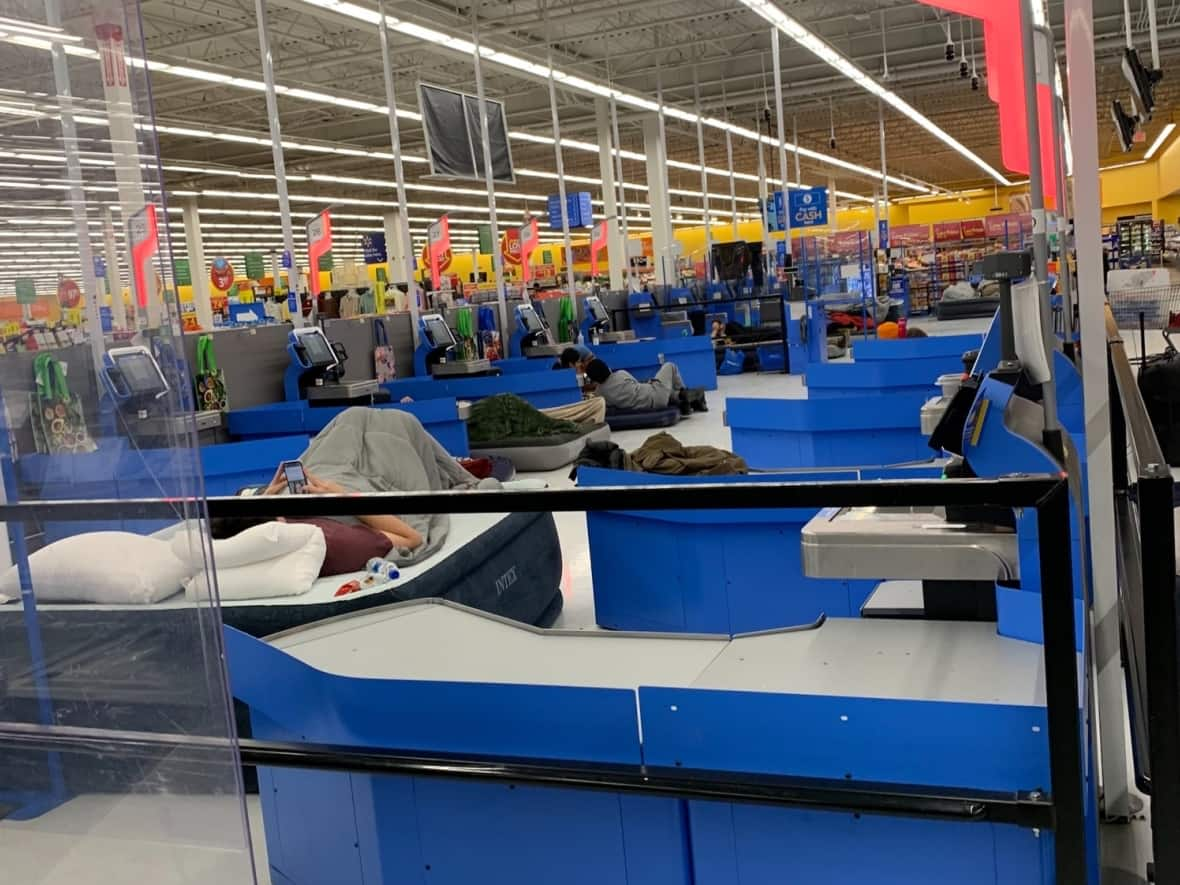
373, 247
883, 234
577, 209
100, 268
809, 207
780, 211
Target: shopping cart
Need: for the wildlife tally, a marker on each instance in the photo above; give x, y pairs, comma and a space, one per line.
1155, 309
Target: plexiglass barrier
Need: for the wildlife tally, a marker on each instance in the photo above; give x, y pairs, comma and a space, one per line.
98, 636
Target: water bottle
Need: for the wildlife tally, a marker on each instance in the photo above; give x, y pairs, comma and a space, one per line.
383, 568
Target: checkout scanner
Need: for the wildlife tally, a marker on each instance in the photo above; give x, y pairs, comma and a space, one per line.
596, 325
649, 321
316, 373
532, 337
437, 353
139, 389
993, 423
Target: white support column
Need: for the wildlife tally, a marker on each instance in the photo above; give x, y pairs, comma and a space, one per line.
616, 247
696, 94
884, 171
280, 166
732, 184
785, 221
622, 201
114, 282
795, 139
193, 243
397, 236
657, 194
1079, 47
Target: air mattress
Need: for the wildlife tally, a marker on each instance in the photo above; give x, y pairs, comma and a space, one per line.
537, 455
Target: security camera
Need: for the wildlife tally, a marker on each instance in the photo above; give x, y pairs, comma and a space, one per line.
832, 142
964, 69
975, 82
950, 51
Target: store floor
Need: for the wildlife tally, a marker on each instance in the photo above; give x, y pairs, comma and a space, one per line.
164, 840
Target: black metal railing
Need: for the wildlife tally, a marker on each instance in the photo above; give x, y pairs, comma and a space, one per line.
1144, 521
1061, 810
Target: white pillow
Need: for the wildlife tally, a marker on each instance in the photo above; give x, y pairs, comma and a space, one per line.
102, 567
259, 543
291, 574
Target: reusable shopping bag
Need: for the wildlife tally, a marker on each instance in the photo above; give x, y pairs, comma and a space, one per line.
384, 368
465, 332
567, 320
209, 380
59, 425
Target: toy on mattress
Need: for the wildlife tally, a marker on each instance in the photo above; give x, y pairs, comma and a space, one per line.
506, 426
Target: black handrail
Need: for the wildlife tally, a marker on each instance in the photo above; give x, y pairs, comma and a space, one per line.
1144, 514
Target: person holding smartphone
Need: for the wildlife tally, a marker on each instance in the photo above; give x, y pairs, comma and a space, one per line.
292, 478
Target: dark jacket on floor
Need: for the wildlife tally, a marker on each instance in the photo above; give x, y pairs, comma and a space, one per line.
664, 453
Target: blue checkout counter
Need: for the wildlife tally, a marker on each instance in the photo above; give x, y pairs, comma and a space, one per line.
641, 357
440, 417
553, 387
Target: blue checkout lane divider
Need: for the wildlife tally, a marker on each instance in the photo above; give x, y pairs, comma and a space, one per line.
851, 431
440, 417
714, 571
545, 389
882, 377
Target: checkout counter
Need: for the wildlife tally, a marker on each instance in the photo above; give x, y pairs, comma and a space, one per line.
532, 337
316, 373
139, 391
437, 353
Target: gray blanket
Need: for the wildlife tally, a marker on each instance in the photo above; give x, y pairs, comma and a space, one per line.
387, 450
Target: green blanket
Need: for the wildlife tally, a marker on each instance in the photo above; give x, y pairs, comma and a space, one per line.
505, 416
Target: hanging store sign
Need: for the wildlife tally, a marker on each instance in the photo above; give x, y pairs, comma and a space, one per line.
578, 210
809, 207
849, 242
69, 296
221, 274
373, 248
948, 232
438, 244
484, 232
141, 231
903, 235
882, 234
319, 244
255, 266
100, 268
510, 246
598, 241
973, 229
182, 272
26, 290
530, 239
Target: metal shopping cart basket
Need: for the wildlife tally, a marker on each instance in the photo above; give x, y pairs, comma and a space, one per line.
1158, 307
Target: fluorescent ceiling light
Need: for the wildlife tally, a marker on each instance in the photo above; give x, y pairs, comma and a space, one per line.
1160, 139
833, 58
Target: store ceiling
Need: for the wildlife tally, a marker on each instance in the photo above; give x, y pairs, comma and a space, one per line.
717, 46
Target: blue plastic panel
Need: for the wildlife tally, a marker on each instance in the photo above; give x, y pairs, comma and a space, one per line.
981, 746
547, 722
543, 389
758, 845
708, 571
915, 348
876, 378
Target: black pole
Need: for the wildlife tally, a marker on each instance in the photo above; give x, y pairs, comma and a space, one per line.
1061, 685
1154, 493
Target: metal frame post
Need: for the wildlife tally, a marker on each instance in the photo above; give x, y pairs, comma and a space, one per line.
1111, 686
696, 93
782, 144
565, 219
403, 223
276, 146
1032, 72
1063, 273
489, 180
622, 198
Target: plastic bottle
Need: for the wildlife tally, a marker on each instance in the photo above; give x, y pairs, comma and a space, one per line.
383, 568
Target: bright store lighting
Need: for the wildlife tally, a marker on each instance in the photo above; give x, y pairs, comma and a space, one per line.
833, 58
1159, 141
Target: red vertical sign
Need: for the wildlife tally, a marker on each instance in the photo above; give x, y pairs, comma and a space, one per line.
530, 239
319, 244
438, 243
597, 244
142, 229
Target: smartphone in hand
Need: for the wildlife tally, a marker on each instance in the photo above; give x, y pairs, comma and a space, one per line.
295, 475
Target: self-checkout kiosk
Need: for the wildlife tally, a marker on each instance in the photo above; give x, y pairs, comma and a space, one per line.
532, 337
992, 423
596, 326
316, 373
437, 353
139, 390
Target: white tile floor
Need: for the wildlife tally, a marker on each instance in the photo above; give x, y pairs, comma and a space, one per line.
104, 840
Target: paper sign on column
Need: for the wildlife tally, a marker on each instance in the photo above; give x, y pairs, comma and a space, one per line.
319, 244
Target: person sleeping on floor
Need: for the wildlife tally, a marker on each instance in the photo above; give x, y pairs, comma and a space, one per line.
622, 390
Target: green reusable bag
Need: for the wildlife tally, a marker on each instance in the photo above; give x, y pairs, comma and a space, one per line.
465, 332
209, 380
567, 320
59, 424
